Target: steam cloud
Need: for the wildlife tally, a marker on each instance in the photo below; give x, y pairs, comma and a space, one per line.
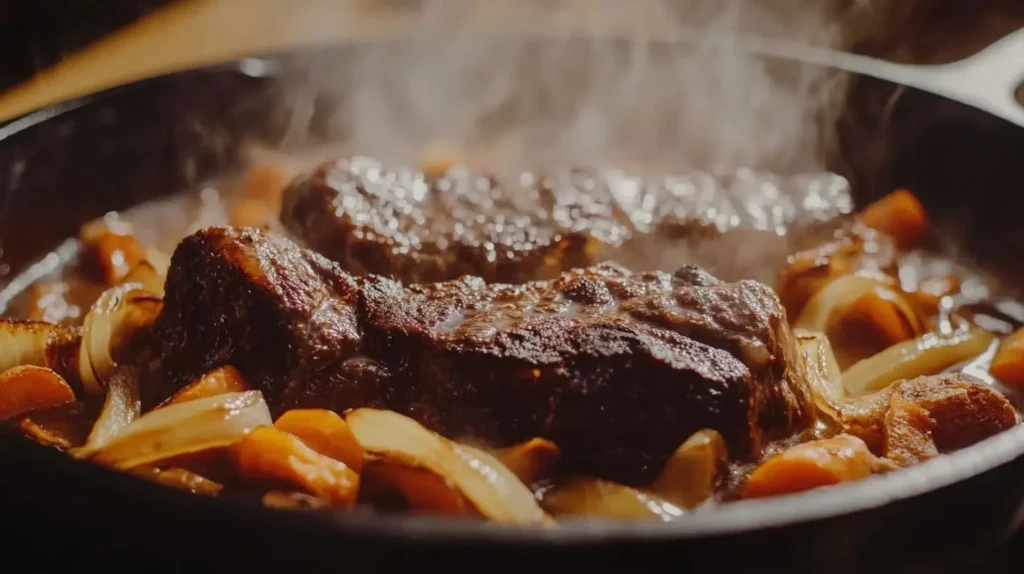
472, 73
651, 86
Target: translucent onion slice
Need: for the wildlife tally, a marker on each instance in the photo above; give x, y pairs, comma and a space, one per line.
120, 408
194, 426
815, 356
596, 498
32, 343
146, 274
488, 485
500, 477
821, 311
118, 314
694, 470
925, 355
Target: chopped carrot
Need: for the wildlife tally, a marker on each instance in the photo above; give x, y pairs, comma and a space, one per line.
267, 182
1008, 363
221, 380
29, 388
325, 432
253, 212
532, 460
811, 465
273, 456
438, 157
899, 215
881, 309
418, 490
116, 255
932, 290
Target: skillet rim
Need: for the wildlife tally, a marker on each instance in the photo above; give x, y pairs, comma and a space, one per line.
728, 519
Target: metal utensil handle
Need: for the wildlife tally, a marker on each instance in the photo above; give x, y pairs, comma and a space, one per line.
990, 80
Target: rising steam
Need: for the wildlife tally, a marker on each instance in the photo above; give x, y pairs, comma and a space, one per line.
474, 74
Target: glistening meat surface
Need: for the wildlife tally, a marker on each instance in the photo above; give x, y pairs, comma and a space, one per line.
526, 226
617, 368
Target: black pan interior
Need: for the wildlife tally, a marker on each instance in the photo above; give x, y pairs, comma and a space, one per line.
65, 165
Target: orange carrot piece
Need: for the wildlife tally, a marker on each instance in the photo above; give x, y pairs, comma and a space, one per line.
267, 182
273, 456
811, 465
899, 215
1008, 363
253, 212
325, 432
876, 309
116, 255
221, 380
29, 388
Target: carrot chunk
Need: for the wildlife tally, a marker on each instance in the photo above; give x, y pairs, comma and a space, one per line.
1008, 364
117, 255
325, 432
880, 310
266, 181
811, 465
253, 212
270, 455
899, 215
29, 388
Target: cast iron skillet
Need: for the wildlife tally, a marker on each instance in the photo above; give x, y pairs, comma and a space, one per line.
66, 164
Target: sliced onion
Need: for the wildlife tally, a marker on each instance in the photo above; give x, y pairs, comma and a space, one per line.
159, 260
146, 274
596, 498
694, 469
820, 313
120, 408
531, 461
195, 426
500, 477
33, 343
926, 355
488, 485
112, 321
814, 353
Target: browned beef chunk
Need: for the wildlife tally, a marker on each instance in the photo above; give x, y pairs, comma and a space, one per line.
523, 227
617, 368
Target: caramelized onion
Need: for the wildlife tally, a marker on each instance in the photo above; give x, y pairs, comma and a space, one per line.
926, 355
596, 498
30, 388
120, 408
185, 428
827, 306
694, 469
488, 485
815, 357
110, 325
531, 461
145, 274
33, 343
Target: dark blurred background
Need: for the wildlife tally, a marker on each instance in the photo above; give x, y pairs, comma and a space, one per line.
35, 34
